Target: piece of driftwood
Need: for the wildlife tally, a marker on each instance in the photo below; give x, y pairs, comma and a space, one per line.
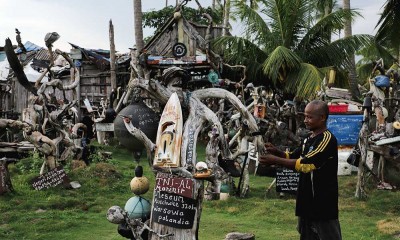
5, 178
361, 173
112, 56
141, 136
387, 165
338, 93
213, 187
57, 83
239, 236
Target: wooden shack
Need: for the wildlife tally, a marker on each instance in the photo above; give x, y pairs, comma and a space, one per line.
95, 83
181, 43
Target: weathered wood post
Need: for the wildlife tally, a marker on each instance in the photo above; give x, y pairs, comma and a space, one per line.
5, 179
112, 57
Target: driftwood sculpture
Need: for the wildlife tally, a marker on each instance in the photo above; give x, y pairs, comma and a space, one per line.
181, 184
199, 116
45, 114
218, 174
378, 145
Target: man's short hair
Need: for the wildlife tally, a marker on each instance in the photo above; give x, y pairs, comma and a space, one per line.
321, 106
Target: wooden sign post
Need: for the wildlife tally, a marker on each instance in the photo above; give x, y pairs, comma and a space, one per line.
173, 203
175, 206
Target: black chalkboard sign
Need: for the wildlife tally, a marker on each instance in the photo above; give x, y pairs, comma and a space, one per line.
52, 178
173, 210
286, 180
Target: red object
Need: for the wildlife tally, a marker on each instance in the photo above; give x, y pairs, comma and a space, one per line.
338, 108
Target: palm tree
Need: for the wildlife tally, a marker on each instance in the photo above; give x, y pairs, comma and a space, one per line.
325, 7
353, 82
138, 15
227, 11
386, 44
286, 46
138, 20
389, 32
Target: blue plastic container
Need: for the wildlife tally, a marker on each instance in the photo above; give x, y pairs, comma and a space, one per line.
382, 81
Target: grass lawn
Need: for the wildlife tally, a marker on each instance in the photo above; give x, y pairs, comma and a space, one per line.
59, 213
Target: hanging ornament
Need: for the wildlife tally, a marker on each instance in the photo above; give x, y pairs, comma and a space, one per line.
139, 184
138, 207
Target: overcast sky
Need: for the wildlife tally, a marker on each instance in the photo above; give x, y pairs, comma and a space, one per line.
85, 22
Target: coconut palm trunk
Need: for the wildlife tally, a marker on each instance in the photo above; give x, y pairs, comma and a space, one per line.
226, 17
353, 82
138, 16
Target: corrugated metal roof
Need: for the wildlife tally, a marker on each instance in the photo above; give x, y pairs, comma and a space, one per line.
29, 47
101, 62
43, 54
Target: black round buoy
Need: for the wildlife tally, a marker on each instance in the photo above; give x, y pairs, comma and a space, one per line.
143, 118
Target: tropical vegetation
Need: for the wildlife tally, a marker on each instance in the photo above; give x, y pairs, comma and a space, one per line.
386, 41
284, 45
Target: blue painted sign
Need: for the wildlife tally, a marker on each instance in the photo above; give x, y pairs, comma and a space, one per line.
345, 128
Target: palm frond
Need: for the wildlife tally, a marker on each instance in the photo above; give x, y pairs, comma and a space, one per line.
255, 27
288, 19
306, 81
315, 36
389, 24
364, 72
281, 61
234, 49
374, 52
339, 52
322, 5
237, 50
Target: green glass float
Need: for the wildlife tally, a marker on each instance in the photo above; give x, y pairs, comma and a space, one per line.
138, 207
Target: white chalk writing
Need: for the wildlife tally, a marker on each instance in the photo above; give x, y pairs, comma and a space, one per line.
286, 180
189, 155
168, 183
173, 210
50, 179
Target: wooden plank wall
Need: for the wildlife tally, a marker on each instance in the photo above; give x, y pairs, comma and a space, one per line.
5, 96
94, 84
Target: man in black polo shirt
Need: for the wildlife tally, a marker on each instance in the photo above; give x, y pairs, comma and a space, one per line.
317, 162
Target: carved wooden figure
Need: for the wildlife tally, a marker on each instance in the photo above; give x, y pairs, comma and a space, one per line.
169, 134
